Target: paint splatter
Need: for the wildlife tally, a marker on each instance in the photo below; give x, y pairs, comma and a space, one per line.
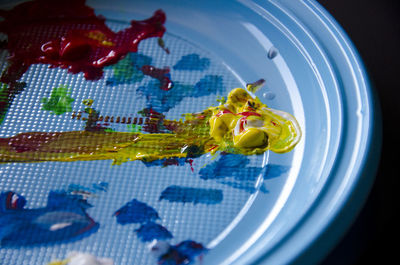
209, 84
183, 253
128, 70
224, 167
192, 62
164, 100
63, 219
273, 171
152, 231
232, 170
59, 101
134, 128
192, 195
161, 74
79, 42
136, 212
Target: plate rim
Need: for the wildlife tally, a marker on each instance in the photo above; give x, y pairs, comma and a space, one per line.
325, 237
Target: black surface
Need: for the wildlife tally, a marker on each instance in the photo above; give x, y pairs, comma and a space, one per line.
374, 28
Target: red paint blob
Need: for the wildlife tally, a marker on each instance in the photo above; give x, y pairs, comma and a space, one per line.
161, 75
68, 35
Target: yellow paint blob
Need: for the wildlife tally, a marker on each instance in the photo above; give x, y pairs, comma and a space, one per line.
247, 126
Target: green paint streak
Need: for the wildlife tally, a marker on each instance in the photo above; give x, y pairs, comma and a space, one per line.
134, 128
4, 100
127, 70
59, 101
221, 100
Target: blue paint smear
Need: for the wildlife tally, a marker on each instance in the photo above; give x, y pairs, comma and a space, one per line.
135, 212
209, 84
64, 219
182, 253
273, 171
151, 231
228, 165
192, 62
128, 70
233, 170
193, 195
164, 100
140, 213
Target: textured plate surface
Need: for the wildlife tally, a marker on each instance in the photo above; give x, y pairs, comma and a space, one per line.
274, 207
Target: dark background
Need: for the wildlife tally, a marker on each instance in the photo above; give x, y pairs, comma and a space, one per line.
374, 28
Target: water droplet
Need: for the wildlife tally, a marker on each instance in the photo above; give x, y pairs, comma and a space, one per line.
269, 95
273, 52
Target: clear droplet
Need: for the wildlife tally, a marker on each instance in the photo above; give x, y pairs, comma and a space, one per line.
273, 52
269, 95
